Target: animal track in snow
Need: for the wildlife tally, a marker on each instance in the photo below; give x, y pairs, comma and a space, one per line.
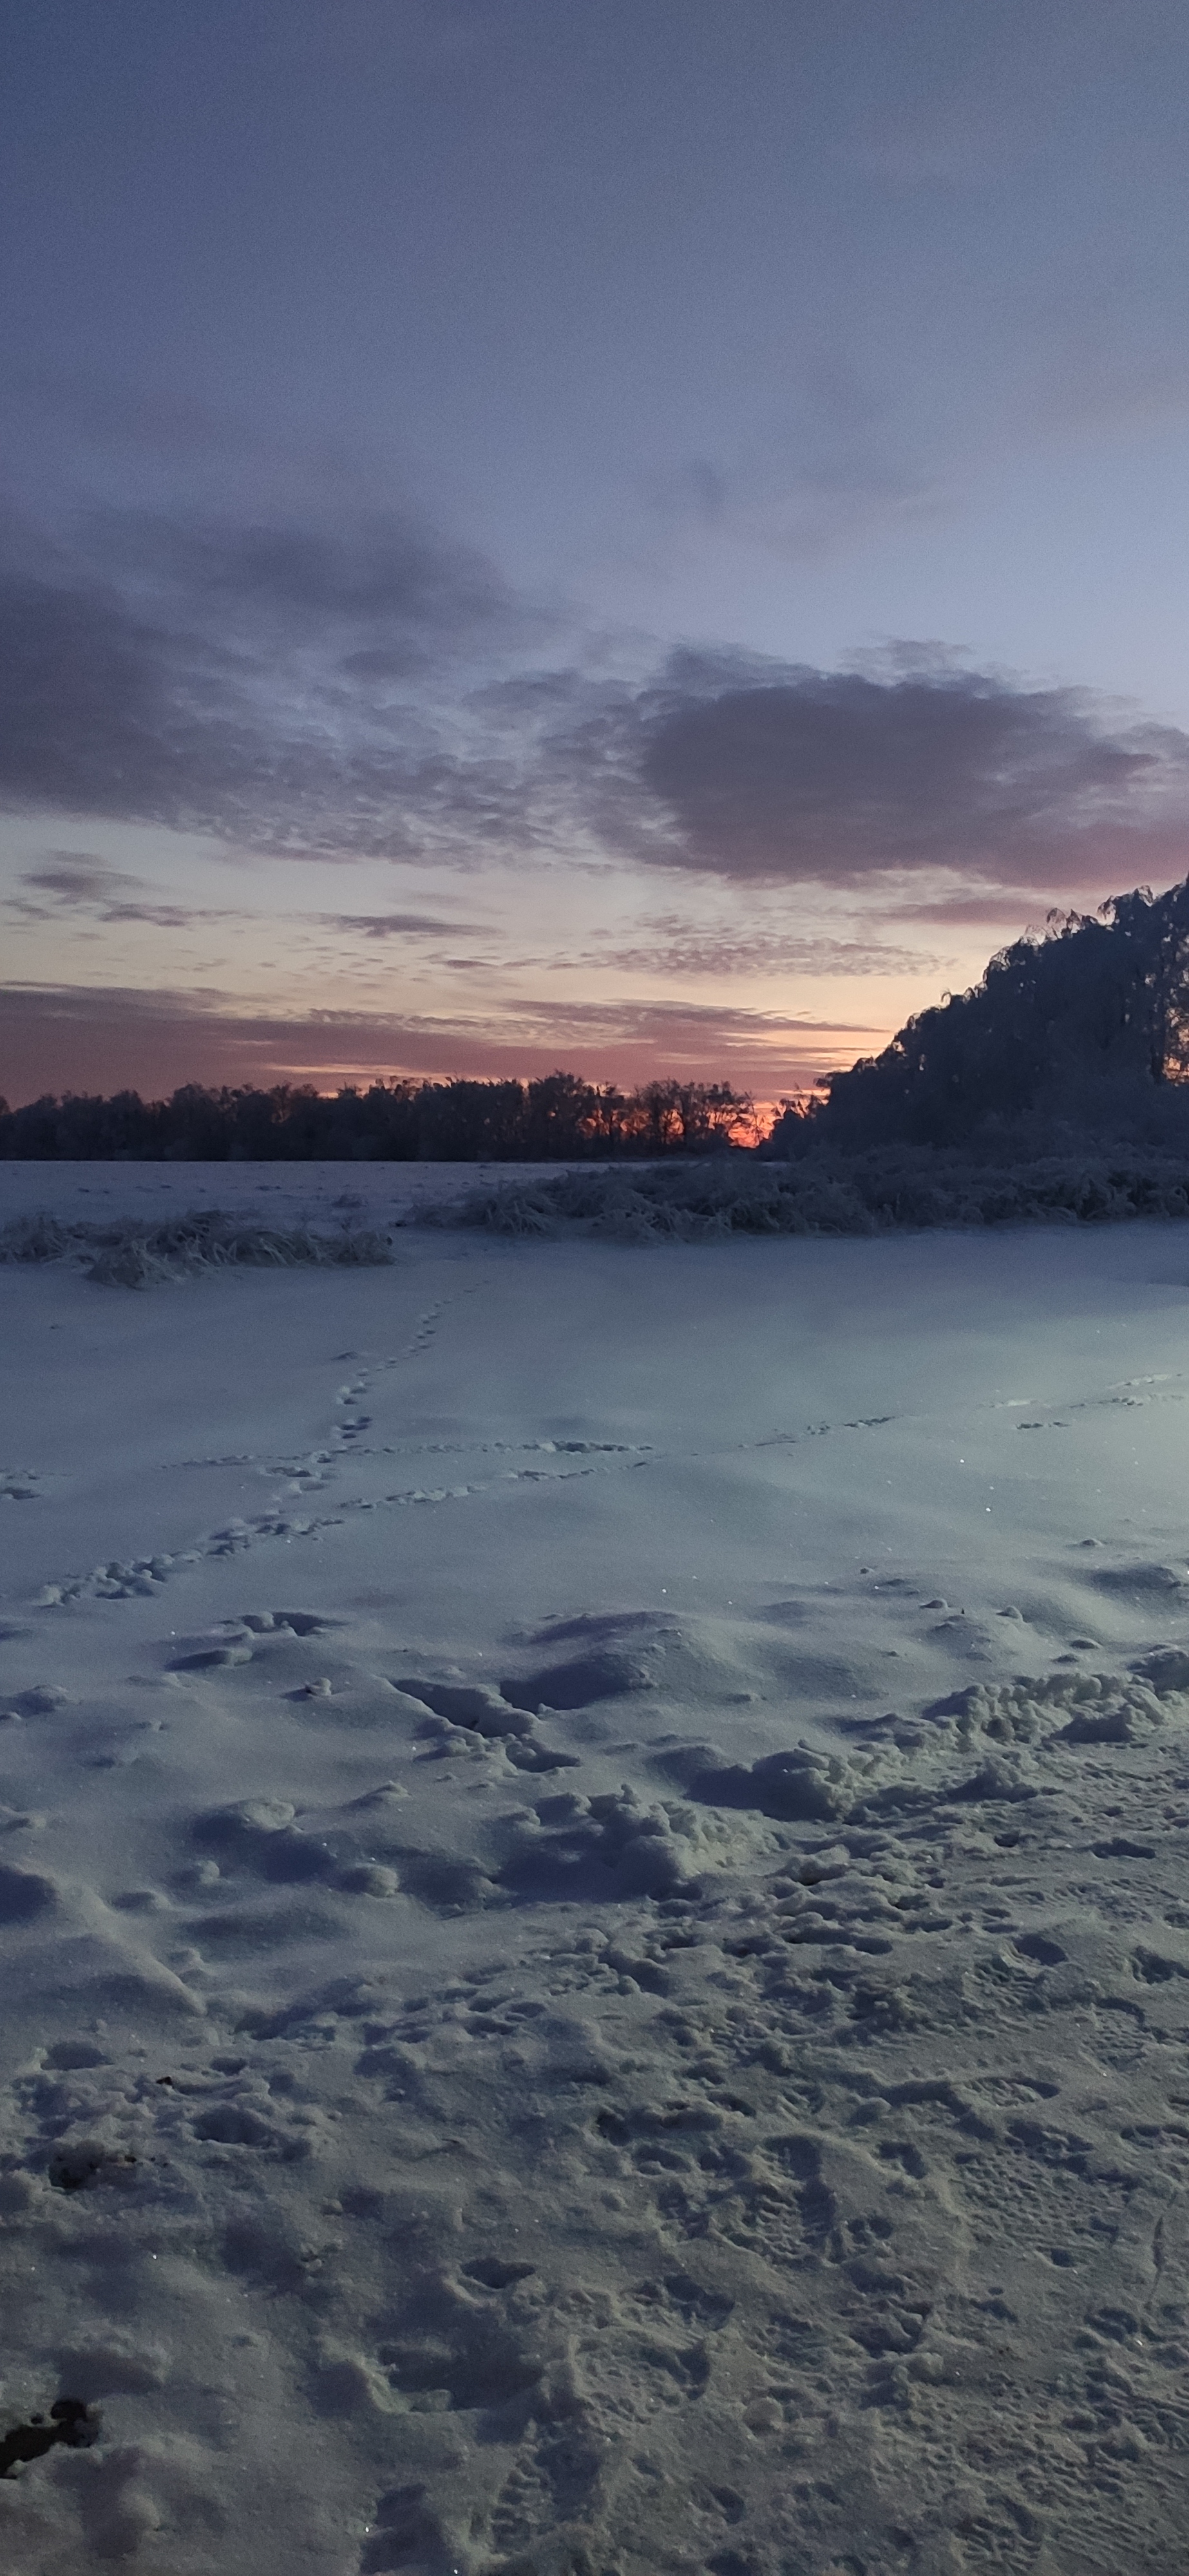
20, 1485
120, 1578
820, 1431
424, 1330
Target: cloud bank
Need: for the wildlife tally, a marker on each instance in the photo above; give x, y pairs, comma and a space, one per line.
369, 690
287, 688
835, 777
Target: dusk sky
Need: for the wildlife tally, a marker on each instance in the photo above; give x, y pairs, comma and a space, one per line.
647, 536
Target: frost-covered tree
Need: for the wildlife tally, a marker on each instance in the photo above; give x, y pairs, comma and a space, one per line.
1097, 1006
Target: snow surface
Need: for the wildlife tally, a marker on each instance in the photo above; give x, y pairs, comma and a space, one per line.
593, 1902
326, 1194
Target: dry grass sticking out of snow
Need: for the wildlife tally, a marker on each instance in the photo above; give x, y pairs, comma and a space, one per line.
702, 1202
129, 1253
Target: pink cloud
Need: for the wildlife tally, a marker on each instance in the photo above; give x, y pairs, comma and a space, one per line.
78, 1038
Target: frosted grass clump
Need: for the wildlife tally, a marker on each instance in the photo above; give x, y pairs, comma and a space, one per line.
128, 1253
879, 1192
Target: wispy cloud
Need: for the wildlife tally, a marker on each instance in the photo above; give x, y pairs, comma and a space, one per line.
76, 877
400, 925
671, 946
75, 882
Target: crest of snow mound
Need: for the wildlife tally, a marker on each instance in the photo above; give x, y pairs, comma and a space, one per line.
610, 1655
474, 1717
989, 1742
1166, 1669
1027, 1711
1139, 1578
619, 1656
478, 1706
606, 1672
800, 1786
617, 1844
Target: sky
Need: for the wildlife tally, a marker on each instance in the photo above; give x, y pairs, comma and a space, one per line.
648, 538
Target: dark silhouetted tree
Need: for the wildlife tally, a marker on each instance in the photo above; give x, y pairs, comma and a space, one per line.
1097, 1007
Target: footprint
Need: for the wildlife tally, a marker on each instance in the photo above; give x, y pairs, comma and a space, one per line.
444, 2348
70, 2422
554, 2481
236, 2124
410, 2537
24, 1895
81, 2164
209, 1659
492, 2272
298, 1623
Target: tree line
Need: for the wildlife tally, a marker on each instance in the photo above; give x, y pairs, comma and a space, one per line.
558, 1118
1086, 1026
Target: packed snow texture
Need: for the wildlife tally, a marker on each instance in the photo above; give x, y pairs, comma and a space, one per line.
593, 1903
